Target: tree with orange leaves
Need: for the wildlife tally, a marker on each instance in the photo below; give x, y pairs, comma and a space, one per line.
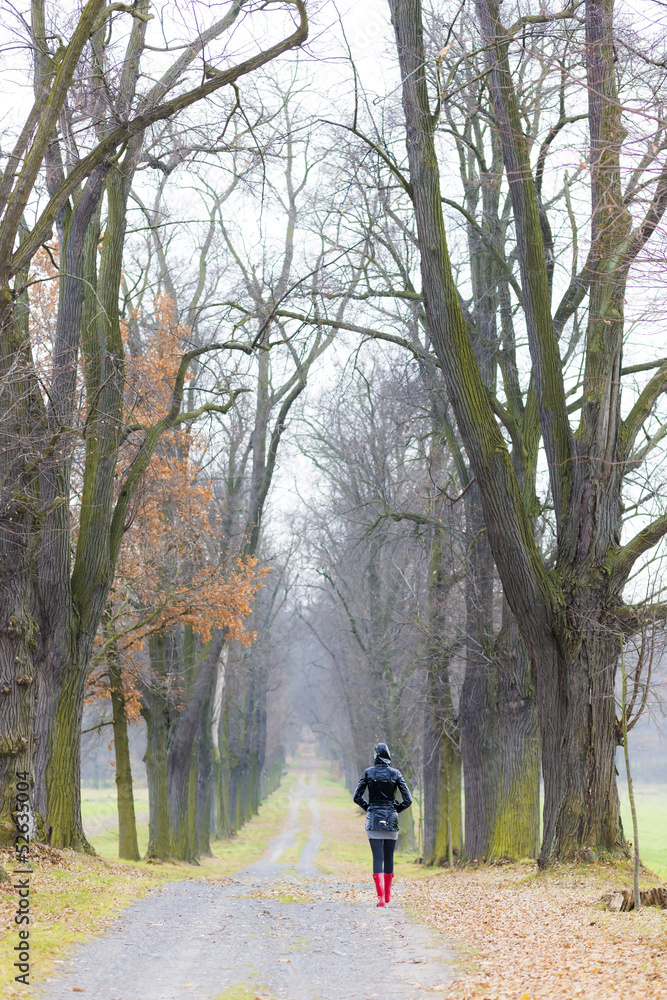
169, 583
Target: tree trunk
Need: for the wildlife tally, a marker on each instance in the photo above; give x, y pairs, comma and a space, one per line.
223, 828
17, 641
128, 846
205, 753
56, 647
63, 772
20, 417
156, 714
577, 721
442, 752
218, 816
181, 786
479, 720
155, 710
516, 827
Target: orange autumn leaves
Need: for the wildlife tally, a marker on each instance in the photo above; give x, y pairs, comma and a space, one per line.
154, 351
174, 567
168, 572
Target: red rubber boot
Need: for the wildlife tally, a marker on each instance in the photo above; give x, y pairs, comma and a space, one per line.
379, 885
387, 886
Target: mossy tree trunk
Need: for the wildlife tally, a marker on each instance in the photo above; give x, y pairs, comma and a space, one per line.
22, 418
156, 712
181, 771
441, 782
478, 712
515, 829
205, 748
128, 847
58, 655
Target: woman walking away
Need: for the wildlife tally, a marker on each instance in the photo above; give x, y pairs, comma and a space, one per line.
382, 810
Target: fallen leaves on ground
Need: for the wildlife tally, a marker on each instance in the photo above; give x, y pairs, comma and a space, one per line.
530, 935
518, 933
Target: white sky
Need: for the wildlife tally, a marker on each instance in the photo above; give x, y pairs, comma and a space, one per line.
368, 33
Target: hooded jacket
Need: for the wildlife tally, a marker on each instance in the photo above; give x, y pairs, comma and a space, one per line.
382, 810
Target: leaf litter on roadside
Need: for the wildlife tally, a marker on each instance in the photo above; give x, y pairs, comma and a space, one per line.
543, 935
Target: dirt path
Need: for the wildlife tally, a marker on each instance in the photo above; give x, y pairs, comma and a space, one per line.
280, 931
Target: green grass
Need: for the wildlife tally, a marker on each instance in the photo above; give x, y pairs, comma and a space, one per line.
240, 992
651, 802
106, 844
99, 805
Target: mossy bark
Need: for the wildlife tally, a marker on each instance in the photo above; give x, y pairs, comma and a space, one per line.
205, 783
94, 563
515, 831
78, 231
21, 431
478, 712
181, 762
63, 772
128, 847
156, 712
442, 752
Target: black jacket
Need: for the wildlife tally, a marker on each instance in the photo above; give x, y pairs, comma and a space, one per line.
382, 810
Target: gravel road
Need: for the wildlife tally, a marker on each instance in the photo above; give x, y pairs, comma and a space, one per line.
195, 939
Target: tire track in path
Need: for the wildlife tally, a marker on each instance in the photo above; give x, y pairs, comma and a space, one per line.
282, 932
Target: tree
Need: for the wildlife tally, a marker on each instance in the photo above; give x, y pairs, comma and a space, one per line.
496, 728
564, 610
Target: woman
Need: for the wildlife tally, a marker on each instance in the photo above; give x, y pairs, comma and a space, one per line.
382, 810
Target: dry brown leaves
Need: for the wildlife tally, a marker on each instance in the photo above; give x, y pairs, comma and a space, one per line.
529, 935
522, 934
61, 878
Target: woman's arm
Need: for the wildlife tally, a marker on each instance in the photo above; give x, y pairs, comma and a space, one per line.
359, 791
406, 798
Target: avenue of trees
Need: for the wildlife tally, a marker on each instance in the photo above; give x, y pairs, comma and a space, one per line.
336, 397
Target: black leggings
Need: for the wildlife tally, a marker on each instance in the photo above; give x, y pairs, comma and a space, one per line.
383, 852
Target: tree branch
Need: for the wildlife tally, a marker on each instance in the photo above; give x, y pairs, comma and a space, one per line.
139, 123
644, 540
642, 408
528, 19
